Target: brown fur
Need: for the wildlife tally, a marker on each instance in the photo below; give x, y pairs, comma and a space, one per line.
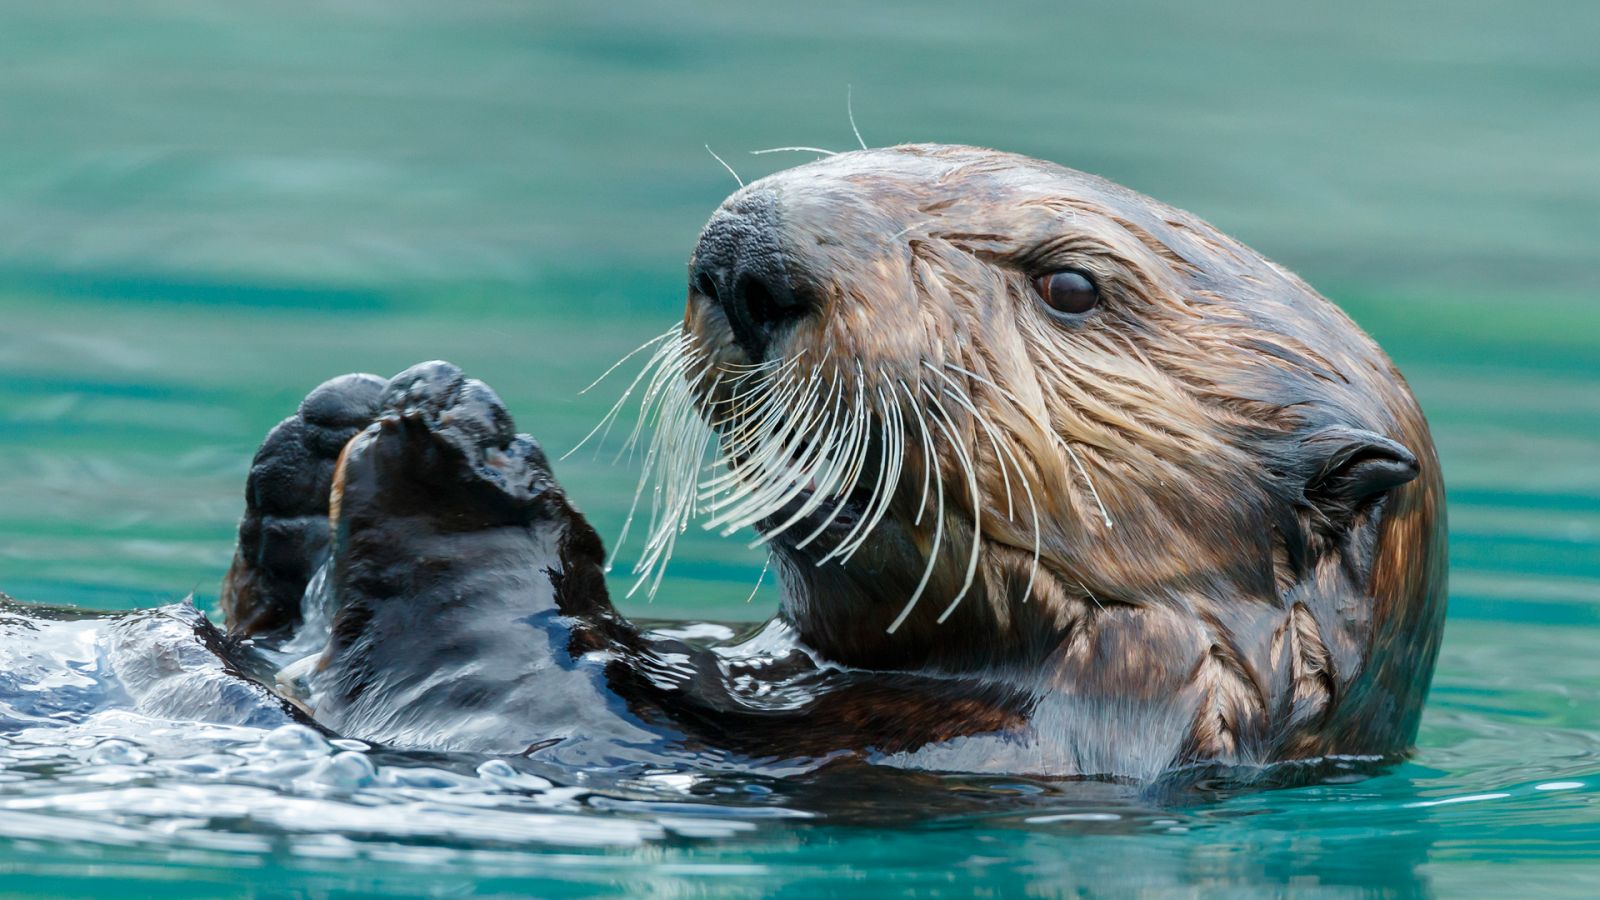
1286, 616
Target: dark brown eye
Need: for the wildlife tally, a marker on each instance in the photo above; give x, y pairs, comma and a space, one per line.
1069, 292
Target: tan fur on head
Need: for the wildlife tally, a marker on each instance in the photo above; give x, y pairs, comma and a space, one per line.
1061, 498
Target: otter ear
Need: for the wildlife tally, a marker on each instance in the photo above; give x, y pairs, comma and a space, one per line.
1351, 468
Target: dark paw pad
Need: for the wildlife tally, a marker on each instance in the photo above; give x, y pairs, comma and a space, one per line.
438, 397
283, 535
340, 407
432, 406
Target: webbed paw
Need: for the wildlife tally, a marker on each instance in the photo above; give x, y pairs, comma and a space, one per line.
283, 536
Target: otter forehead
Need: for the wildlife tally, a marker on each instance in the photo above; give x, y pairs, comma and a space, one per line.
920, 170
874, 195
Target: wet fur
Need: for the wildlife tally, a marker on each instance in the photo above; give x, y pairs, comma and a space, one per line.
1239, 513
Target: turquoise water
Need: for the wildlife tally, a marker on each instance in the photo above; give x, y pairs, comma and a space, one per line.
207, 208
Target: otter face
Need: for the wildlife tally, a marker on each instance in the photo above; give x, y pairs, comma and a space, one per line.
973, 400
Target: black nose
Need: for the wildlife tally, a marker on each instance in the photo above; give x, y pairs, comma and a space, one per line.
739, 265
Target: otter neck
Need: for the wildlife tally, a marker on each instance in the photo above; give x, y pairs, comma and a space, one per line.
846, 614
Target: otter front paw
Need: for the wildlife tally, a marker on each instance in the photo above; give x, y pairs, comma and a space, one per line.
283, 536
449, 441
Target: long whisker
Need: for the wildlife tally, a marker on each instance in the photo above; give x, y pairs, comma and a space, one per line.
930, 460
948, 427
954, 392
794, 150
850, 111
843, 477
893, 451
756, 432
674, 361
1106, 516
802, 476
1033, 509
675, 330
674, 507
661, 354
765, 565
1003, 451
758, 499
725, 165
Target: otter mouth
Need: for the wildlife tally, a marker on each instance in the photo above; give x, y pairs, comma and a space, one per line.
815, 522
827, 502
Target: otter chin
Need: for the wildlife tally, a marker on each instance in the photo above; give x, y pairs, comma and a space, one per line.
1057, 480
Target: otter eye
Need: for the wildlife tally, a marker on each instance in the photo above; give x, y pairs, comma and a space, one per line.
1068, 291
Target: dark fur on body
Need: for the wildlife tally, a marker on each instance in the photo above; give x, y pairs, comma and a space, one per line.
1271, 586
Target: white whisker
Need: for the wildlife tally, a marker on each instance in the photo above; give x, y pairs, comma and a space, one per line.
725, 165
930, 461
656, 359
670, 332
907, 230
892, 456
850, 111
762, 480
845, 474
1017, 402
800, 478
954, 392
765, 565
956, 444
794, 150
1092, 596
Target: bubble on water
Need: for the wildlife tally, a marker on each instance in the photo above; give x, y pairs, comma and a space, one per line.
1074, 817
117, 752
295, 740
205, 764
672, 782
505, 775
278, 773
350, 744
425, 777
496, 768
691, 827
344, 771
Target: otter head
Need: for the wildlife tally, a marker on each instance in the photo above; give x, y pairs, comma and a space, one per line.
989, 413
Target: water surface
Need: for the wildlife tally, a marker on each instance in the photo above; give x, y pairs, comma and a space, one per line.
207, 209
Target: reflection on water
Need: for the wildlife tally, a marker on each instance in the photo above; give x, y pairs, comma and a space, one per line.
208, 209
238, 807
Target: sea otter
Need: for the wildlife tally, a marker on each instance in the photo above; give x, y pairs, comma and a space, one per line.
1057, 480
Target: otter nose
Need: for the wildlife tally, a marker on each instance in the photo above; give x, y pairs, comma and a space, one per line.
739, 265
